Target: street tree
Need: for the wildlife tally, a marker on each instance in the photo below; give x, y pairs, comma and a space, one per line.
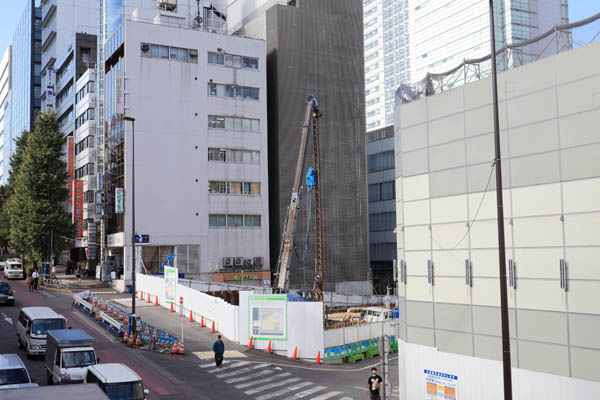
36, 205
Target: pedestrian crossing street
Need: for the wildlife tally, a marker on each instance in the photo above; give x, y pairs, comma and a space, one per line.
264, 381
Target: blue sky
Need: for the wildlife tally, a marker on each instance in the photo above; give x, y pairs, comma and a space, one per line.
578, 9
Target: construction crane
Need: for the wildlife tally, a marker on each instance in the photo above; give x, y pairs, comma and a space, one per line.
311, 117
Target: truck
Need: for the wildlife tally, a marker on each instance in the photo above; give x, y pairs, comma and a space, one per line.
68, 354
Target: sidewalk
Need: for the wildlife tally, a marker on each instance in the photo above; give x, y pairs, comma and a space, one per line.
69, 282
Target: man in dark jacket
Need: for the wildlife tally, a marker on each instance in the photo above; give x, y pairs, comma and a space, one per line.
219, 349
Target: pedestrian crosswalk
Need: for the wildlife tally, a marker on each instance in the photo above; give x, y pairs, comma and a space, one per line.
264, 381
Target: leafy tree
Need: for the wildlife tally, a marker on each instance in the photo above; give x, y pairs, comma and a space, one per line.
39, 191
16, 160
4, 227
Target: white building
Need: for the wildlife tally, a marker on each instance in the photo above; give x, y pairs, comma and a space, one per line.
406, 39
5, 136
549, 114
201, 184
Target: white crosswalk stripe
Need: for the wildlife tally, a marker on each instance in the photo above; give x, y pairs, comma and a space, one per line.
268, 382
306, 393
242, 371
265, 380
283, 391
248, 377
326, 395
271, 386
232, 366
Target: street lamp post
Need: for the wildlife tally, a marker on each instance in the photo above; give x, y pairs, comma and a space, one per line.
506, 365
132, 120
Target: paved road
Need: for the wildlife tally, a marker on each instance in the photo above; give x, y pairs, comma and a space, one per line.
254, 375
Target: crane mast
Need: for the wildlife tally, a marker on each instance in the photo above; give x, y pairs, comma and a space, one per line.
283, 263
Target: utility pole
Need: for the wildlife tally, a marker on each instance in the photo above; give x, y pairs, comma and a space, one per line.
506, 365
133, 271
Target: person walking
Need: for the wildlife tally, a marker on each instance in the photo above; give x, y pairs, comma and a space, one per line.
373, 384
30, 283
78, 274
219, 349
36, 277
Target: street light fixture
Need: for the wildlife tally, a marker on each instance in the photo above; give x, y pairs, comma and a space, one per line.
133, 271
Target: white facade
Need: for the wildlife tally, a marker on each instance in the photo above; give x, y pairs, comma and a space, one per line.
169, 99
5, 136
60, 20
549, 114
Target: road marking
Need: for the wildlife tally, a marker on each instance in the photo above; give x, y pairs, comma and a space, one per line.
47, 294
212, 365
241, 371
306, 393
326, 396
325, 369
207, 355
346, 398
248, 377
245, 385
232, 366
8, 319
271, 385
283, 391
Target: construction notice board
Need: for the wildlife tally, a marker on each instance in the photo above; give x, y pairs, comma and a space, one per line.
171, 278
267, 316
440, 386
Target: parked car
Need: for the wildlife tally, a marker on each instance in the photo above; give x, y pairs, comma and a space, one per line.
33, 324
13, 373
14, 269
2, 265
7, 296
118, 381
68, 354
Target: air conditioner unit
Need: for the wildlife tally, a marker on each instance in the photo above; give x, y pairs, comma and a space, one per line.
247, 262
239, 261
228, 262
259, 261
145, 47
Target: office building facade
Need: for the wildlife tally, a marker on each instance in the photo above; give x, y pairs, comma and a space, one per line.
315, 47
201, 186
5, 129
447, 229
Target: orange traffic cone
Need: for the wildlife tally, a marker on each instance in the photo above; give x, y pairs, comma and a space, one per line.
125, 337
269, 347
295, 355
141, 295
213, 328
250, 346
149, 301
126, 320
114, 313
130, 340
98, 315
174, 348
156, 301
191, 316
137, 340
147, 330
172, 309
202, 323
318, 358
121, 316
181, 350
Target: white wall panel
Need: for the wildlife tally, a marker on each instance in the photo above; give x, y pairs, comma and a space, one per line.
416, 238
487, 207
541, 295
418, 289
416, 262
538, 231
532, 108
583, 262
584, 297
450, 236
484, 234
538, 263
582, 195
549, 358
479, 120
446, 129
581, 128
533, 138
449, 209
536, 200
582, 229
450, 262
451, 290
416, 187
486, 292
416, 212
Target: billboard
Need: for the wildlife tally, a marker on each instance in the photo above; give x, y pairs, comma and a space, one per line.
440, 386
78, 207
119, 200
70, 167
267, 316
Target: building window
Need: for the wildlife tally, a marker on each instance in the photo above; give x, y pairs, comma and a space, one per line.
169, 52
234, 156
231, 60
382, 191
382, 222
233, 91
373, 124
234, 221
233, 123
87, 88
84, 171
84, 144
383, 251
381, 161
167, 5
234, 188
86, 115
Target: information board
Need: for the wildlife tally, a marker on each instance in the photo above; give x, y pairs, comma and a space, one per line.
171, 277
440, 386
267, 316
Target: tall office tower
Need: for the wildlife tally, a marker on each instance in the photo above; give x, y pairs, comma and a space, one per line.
315, 47
25, 80
5, 136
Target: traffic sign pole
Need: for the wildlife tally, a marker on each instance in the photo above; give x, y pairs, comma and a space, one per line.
181, 315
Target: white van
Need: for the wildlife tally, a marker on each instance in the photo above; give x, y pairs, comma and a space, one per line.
13, 373
32, 325
14, 269
118, 381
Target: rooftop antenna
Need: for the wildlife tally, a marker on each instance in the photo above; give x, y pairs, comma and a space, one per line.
198, 20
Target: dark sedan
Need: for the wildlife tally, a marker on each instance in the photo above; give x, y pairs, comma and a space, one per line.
7, 296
